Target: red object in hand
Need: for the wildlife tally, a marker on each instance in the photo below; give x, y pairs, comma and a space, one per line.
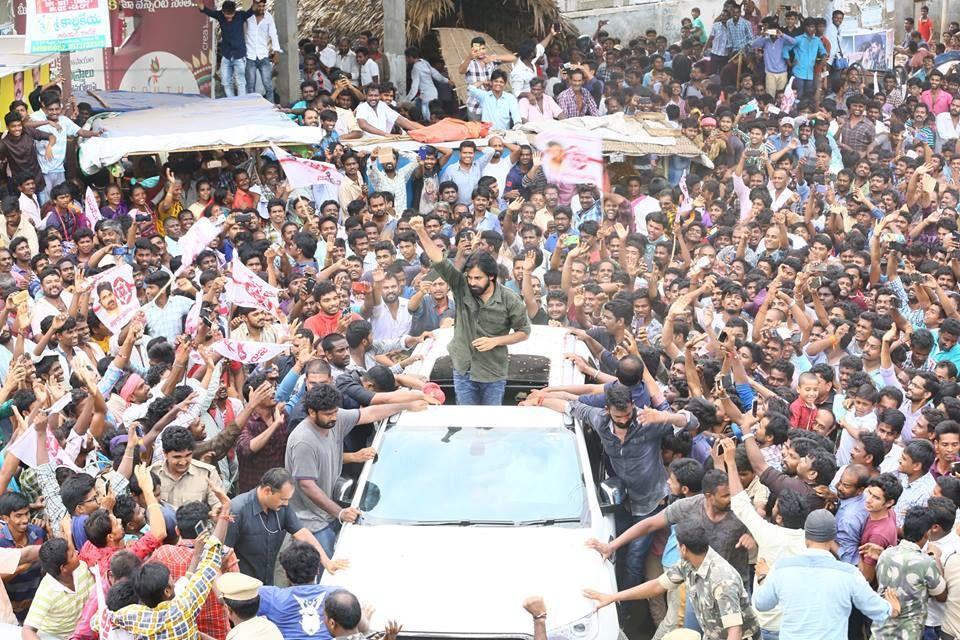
434, 390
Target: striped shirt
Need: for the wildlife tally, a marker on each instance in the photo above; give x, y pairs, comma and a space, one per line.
56, 609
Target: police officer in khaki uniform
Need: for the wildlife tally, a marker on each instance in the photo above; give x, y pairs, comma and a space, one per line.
241, 594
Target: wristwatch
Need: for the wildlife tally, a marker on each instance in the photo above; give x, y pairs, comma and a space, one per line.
540, 616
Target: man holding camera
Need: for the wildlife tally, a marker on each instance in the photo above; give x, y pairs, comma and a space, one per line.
773, 42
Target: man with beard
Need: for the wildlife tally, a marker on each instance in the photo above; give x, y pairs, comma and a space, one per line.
947, 347
375, 118
54, 301
489, 317
314, 457
948, 123
918, 395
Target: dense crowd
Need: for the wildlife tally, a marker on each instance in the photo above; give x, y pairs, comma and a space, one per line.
773, 326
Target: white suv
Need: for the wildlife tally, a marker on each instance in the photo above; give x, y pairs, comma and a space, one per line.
468, 510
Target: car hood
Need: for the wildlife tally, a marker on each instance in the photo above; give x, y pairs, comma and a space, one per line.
440, 579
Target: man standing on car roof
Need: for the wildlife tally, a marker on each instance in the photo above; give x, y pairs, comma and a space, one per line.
489, 317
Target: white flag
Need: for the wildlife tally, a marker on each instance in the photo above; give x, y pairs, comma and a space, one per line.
248, 351
247, 289
202, 233
305, 173
90, 208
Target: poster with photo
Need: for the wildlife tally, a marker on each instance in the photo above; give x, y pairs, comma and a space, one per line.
874, 50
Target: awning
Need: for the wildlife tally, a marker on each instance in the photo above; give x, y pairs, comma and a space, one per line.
122, 101
243, 121
14, 60
647, 134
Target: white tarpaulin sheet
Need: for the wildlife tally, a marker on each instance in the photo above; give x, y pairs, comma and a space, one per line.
227, 122
614, 127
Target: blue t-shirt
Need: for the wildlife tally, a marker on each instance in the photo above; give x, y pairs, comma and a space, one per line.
297, 611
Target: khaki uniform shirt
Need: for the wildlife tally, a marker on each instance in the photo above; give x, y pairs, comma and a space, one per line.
717, 595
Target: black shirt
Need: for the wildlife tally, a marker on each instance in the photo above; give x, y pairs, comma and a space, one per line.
257, 534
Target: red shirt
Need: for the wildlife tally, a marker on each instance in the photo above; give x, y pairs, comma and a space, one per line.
802, 416
880, 532
925, 27
323, 325
212, 619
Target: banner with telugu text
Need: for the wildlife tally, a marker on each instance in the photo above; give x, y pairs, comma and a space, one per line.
153, 46
66, 25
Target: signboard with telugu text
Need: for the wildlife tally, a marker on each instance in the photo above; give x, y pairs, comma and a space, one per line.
66, 25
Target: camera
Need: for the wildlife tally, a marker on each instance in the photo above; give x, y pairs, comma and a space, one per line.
911, 278
119, 251
899, 247
145, 217
310, 284
244, 217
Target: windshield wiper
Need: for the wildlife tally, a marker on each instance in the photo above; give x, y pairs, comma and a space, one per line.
546, 523
465, 523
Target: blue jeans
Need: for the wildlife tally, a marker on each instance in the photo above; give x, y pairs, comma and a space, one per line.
482, 393
805, 87
233, 75
929, 633
327, 537
635, 553
424, 107
265, 68
51, 180
769, 635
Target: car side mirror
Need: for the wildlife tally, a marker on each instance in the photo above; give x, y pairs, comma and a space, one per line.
343, 490
610, 494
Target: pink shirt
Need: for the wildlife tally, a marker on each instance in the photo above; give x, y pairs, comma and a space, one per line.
532, 113
938, 106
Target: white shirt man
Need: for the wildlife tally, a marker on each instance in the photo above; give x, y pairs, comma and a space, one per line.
385, 326
383, 117
368, 72
948, 123
261, 37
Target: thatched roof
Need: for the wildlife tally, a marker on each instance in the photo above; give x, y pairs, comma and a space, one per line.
506, 20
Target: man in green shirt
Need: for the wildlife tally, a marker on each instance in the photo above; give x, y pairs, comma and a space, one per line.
489, 317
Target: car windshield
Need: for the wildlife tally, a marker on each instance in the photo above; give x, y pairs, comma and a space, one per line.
475, 476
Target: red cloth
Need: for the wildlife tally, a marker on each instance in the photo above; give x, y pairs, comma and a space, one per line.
212, 619
450, 130
802, 416
880, 532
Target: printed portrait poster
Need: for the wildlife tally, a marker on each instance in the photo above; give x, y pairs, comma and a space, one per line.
571, 157
113, 297
874, 50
